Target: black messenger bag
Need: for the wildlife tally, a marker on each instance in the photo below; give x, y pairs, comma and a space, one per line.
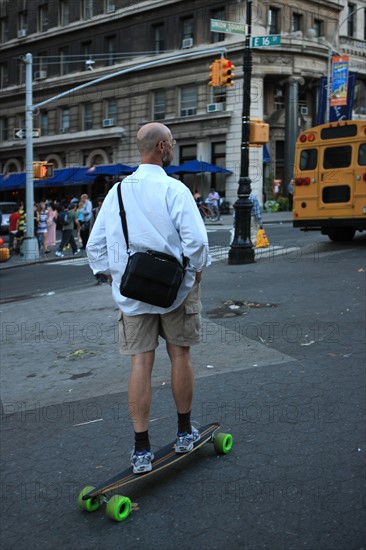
151, 277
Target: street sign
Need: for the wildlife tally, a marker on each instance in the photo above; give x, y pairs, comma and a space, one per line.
230, 27
20, 133
264, 41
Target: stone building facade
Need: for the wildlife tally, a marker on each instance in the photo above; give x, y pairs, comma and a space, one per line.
76, 42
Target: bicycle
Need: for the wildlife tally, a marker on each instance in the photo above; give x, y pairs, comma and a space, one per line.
209, 213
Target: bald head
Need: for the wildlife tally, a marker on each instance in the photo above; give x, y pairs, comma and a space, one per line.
155, 144
149, 135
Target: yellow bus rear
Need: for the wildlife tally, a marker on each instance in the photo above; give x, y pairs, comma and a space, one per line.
330, 180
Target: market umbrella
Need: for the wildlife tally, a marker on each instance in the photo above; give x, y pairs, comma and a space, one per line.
197, 167
109, 170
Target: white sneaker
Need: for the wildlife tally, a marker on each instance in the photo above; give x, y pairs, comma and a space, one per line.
77, 252
141, 461
59, 254
185, 441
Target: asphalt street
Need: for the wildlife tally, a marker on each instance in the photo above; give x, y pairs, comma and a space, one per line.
281, 365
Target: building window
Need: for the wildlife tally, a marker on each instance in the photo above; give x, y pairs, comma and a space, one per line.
23, 23
64, 61
110, 49
87, 9
319, 27
4, 33
87, 116
351, 20
111, 110
187, 152
86, 49
187, 30
279, 100
218, 157
43, 18
64, 13
110, 6
44, 123
219, 14
4, 123
159, 105
65, 120
4, 75
188, 101
296, 22
274, 20
158, 37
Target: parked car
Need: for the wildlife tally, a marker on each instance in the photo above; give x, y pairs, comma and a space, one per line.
6, 208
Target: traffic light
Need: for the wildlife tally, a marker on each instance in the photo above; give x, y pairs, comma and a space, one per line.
258, 132
215, 73
42, 170
227, 72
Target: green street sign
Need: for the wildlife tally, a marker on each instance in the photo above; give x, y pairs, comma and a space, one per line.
230, 27
264, 41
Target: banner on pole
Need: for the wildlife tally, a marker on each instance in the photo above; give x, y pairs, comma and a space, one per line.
336, 112
338, 94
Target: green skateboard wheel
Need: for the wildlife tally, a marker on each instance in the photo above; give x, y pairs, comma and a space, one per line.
118, 508
223, 443
91, 504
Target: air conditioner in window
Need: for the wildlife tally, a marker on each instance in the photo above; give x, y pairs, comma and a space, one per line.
22, 33
64, 130
187, 43
40, 75
107, 122
213, 107
111, 8
304, 110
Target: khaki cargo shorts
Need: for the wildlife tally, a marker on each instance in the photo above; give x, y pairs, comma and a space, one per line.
181, 327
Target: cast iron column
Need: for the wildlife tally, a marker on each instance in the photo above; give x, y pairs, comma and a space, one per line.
241, 250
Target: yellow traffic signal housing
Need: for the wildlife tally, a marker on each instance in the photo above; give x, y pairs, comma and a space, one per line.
215, 73
258, 132
227, 72
42, 170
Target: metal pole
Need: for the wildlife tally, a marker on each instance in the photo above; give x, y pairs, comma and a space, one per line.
241, 250
30, 244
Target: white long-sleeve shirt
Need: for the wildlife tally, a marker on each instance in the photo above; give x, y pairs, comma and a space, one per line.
161, 215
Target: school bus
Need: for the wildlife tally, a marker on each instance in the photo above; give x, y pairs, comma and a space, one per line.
330, 179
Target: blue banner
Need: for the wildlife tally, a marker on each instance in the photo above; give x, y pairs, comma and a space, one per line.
338, 112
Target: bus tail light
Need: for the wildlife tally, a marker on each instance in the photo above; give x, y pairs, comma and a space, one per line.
306, 137
364, 176
302, 181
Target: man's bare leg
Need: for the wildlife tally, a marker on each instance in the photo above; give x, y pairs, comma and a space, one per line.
182, 377
139, 390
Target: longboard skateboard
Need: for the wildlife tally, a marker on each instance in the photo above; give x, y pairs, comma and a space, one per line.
119, 507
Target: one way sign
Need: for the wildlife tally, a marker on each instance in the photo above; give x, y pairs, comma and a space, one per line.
20, 133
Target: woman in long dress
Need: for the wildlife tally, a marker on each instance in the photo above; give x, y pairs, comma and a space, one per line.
51, 225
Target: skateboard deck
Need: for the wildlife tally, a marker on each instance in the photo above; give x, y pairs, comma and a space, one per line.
119, 507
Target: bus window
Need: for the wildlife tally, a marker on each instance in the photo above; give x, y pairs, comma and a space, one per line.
336, 193
308, 159
362, 155
337, 157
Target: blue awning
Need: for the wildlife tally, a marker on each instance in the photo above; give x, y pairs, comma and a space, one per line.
266, 157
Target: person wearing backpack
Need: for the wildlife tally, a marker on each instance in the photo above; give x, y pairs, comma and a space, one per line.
67, 218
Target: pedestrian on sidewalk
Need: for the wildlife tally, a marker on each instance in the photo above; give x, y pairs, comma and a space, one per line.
42, 215
85, 224
69, 215
255, 218
51, 224
176, 229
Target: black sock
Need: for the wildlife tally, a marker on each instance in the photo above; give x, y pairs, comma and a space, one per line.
184, 422
142, 442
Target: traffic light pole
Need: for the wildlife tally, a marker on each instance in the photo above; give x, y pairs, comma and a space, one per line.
241, 250
30, 244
